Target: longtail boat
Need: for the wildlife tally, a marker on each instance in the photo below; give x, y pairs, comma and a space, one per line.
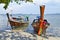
15, 24
37, 24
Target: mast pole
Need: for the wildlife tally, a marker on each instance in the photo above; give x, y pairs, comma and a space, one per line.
41, 19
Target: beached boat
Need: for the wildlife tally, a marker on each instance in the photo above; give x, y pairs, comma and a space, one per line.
17, 24
37, 24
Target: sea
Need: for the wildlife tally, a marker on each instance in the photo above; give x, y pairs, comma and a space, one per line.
53, 19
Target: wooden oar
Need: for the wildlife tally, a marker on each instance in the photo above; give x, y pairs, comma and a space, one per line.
41, 19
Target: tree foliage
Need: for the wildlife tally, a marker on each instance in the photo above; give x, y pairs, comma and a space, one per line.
29, 0
6, 2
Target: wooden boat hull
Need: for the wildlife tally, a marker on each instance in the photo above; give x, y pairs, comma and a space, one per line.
16, 24
35, 26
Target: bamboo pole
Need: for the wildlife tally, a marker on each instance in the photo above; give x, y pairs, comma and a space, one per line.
41, 19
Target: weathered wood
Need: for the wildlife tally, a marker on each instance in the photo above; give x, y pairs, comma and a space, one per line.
41, 19
17, 23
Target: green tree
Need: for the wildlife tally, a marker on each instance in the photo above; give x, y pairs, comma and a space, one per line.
6, 2
29, 0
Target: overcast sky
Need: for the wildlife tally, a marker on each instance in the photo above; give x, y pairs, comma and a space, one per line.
51, 7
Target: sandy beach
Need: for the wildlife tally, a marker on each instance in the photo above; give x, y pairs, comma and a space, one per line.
20, 35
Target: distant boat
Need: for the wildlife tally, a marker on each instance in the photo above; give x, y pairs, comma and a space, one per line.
17, 24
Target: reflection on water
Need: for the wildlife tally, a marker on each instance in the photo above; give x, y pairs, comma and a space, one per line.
54, 20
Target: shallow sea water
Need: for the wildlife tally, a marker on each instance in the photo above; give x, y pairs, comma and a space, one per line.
53, 19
